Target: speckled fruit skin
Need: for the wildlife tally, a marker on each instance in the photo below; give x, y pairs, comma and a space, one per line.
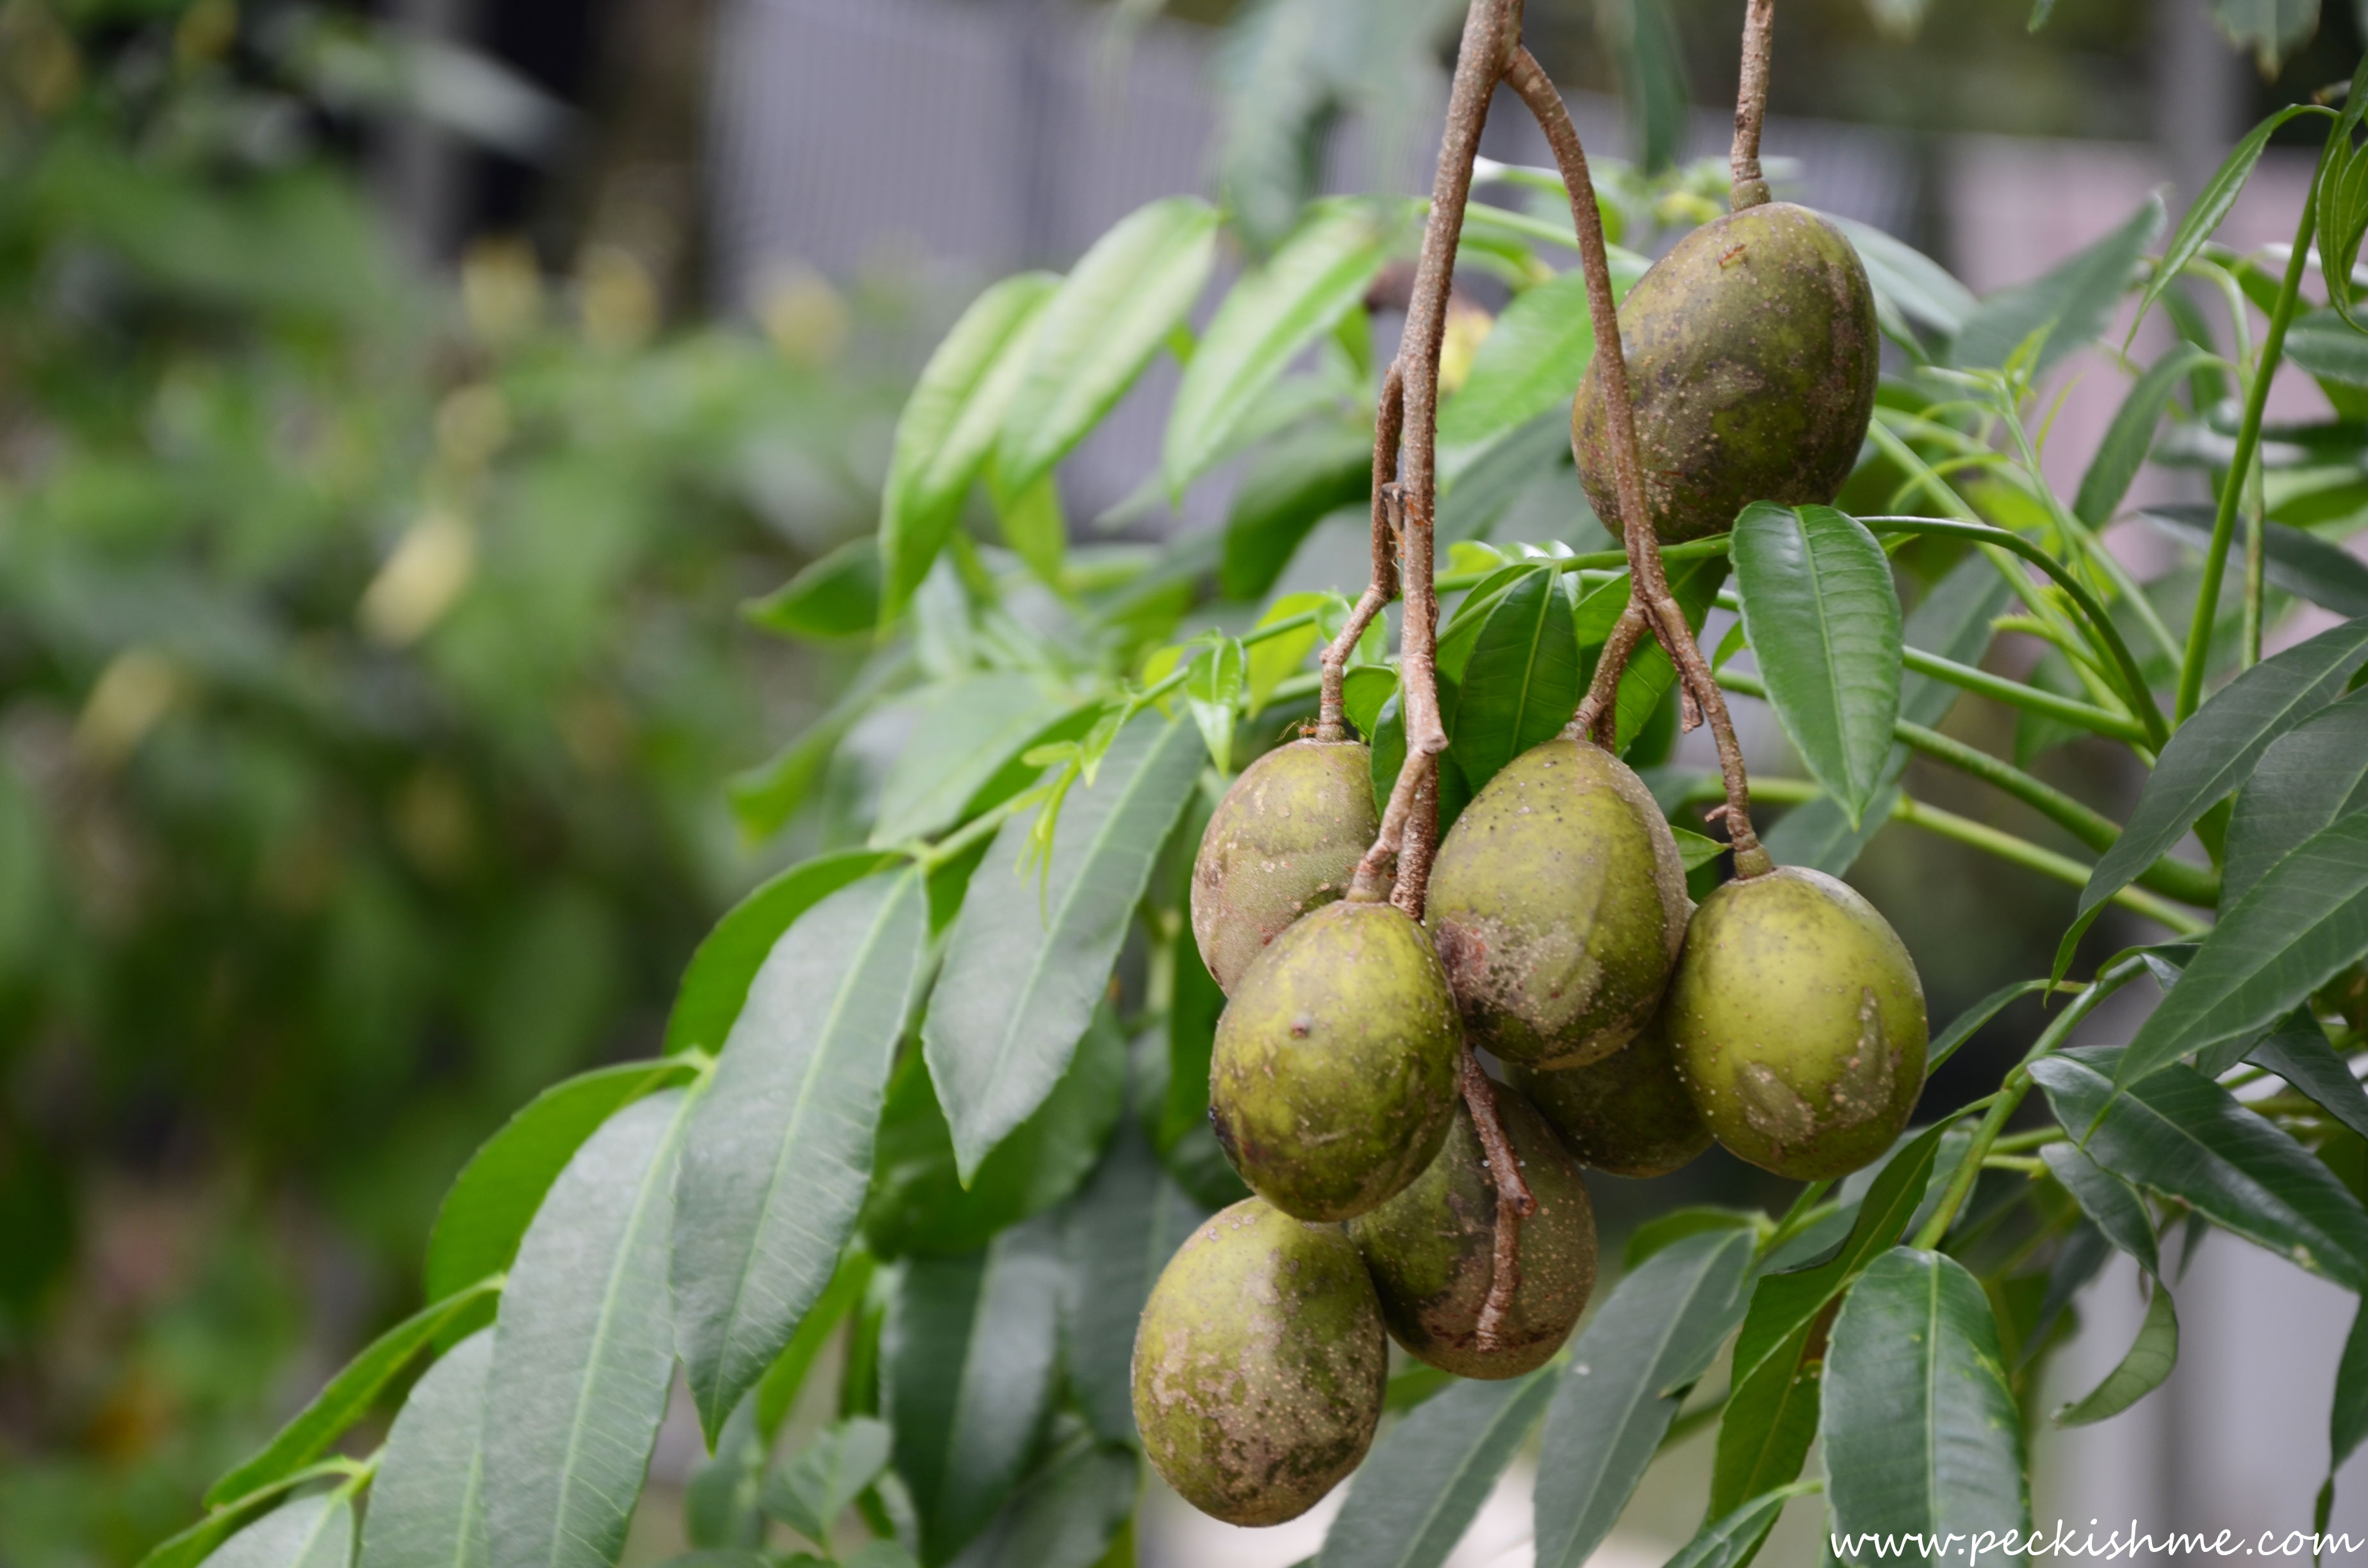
1260, 1365
1798, 1024
1558, 904
1432, 1251
1752, 360
1285, 839
1628, 1114
1334, 1073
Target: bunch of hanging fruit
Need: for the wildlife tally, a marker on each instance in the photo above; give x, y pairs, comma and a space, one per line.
1401, 1190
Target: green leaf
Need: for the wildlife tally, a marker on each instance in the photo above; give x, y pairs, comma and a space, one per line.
2329, 347
811, 1491
1119, 1235
1659, 1331
2072, 303
2215, 750
780, 1147
349, 1395
2293, 559
967, 731
834, 596
1730, 1542
426, 1502
2130, 435
312, 1532
1530, 360
1919, 287
497, 1193
1499, 482
2269, 27
2342, 220
720, 1500
1665, 1229
1422, 1486
1823, 618
2348, 1421
1294, 485
969, 1357
1212, 690
1364, 692
1969, 1022
787, 1375
2219, 193
948, 426
1522, 682
1694, 584
1771, 1415
917, 1201
1101, 327
2115, 1207
2315, 774
1025, 964
715, 985
1278, 658
2298, 1052
2141, 1371
1064, 1516
2185, 1136
1920, 1431
1317, 276
2301, 924
584, 1350
1035, 528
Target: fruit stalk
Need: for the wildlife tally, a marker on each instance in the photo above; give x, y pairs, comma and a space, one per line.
1650, 600
1389, 421
1751, 105
1515, 1202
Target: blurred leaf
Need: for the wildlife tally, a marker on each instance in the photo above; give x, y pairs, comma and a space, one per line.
427, 1502
1920, 1431
1645, 52
1677, 1224
2187, 1137
2329, 347
720, 1501
2298, 1052
837, 596
1303, 479
1823, 620
766, 796
967, 731
1212, 690
779, 1390
1494, 485
1277, 659
2141, 1371
1119, 1235
1317, 277
1422, 1486
497, 1193
811, 1491
2109, 1201
584, 1350
1919, 287
715, 986
949, 426
1969, 1023
1035, 528
2342, 220
2074, 302
1521, 684
1101, 328
1660, 1329
1531, 359
1364, 692
2293, 559
781, 1143
2301, 924
1731, 1541
918, 1204
2130, 438
2267, 28
1064, 1516
968, 1363
1193, 1016
1025, 968
312, 1532
2219, 194
2347, 1420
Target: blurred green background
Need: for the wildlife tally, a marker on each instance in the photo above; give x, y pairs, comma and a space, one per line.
370, 553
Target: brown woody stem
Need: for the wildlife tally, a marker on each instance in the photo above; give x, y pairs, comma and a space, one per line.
1515, 1202
1751, 105
1389, 419
1371, 882
1649, 598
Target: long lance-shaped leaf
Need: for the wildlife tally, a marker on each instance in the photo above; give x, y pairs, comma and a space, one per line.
2293, 559
2212, 204
1064, 1516
2072, 303
1531, 358
1027, 962
948, 428
1823, 618
2185, 1136
1422, 1486
2347, 1420
2130, 435
780, 1147
584, 1350
2140, 1371
2304, 921
1919, 287
968, 730
715, 985
1121, 1232
1921, 1433
2315, 774
1733, 1539
1317, 277
1660, 1329
1100, 329
2297, 1050
427, 1501
1520, 683
348, 1396
2119, 1212
2215, 750
312, 1532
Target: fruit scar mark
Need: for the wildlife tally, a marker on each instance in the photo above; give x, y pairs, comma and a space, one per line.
1729, 257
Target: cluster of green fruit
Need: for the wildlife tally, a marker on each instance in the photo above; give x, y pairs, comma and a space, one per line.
1783, 1017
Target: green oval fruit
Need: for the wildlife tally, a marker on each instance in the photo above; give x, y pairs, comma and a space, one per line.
1260, 1366
1285, 839
1558, 904
1432, 1251
1752, 358
1798, 1024
1334, 1073
1628, 1114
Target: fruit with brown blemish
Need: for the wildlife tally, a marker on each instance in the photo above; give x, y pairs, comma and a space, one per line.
1798, 1024
1432, 1251
1628, 1114
1260, 1365
1284, 841
1333, 1077
1558, 904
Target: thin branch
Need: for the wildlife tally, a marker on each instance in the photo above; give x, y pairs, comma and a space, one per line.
1597, 714
1371, 882
1389, 419
1751, 105
1515, 1202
